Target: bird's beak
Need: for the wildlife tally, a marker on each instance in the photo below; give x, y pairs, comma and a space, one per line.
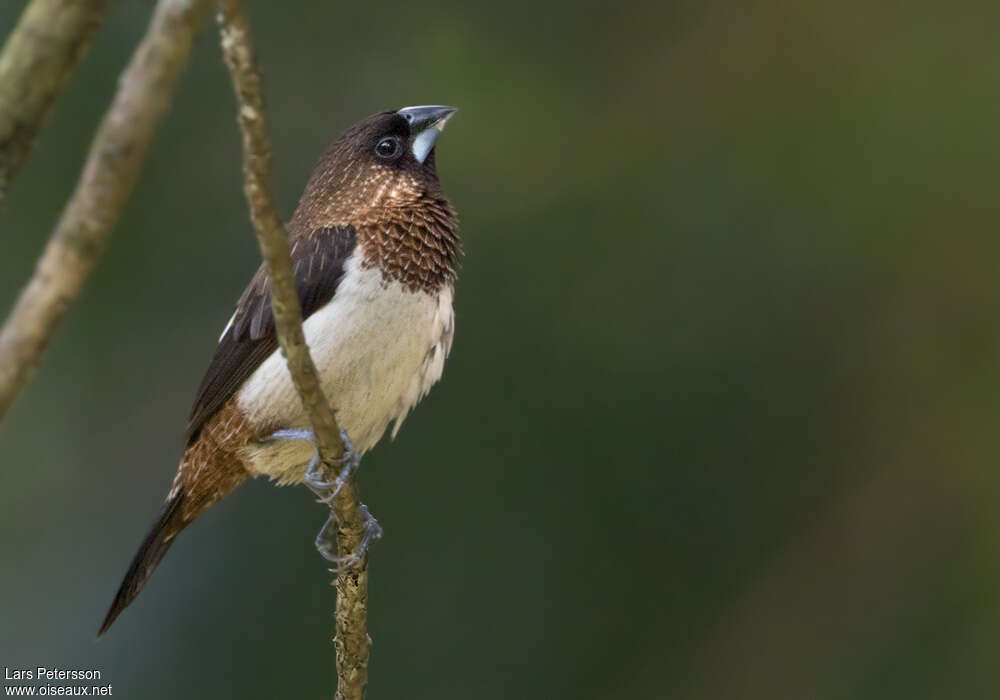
426, 123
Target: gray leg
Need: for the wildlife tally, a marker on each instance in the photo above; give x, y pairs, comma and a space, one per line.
326, 490
326, 540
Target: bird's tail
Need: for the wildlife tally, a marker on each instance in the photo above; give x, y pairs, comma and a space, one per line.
156, 544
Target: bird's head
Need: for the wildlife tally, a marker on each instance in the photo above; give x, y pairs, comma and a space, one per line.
385, 160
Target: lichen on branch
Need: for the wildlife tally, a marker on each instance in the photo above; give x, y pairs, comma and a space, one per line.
352, 642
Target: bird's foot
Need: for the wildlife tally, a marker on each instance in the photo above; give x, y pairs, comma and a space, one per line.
326, 490
326, 541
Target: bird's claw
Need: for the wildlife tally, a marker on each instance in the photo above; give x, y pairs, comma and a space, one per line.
328, 490
326, 542
325, 490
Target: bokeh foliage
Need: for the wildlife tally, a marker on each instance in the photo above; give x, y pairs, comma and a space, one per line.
721, 420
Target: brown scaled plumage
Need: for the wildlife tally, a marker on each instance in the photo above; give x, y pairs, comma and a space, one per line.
362, 213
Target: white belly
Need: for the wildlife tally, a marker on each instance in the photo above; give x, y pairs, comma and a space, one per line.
378, 348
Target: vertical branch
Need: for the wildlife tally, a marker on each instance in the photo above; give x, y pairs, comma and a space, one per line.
352, 641
38, 58
111, 170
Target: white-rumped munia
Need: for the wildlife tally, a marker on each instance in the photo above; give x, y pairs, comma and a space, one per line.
375, 249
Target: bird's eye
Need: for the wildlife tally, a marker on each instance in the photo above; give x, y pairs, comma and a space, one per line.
387, 148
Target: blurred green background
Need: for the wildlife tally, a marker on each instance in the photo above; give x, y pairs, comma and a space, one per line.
721, 419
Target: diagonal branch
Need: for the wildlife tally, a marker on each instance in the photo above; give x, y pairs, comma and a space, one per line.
110, 173
38, 58
352, 641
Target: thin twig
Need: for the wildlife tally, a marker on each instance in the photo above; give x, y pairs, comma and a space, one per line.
38, 58
352, 641
111, 170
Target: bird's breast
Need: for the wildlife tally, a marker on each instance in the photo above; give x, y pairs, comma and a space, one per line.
378, 348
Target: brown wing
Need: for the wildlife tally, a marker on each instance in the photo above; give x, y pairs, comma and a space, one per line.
318, 261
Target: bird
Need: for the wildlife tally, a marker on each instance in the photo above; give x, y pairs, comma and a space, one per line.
375, 251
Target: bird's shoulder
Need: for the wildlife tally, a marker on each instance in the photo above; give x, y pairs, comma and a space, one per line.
319, 258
